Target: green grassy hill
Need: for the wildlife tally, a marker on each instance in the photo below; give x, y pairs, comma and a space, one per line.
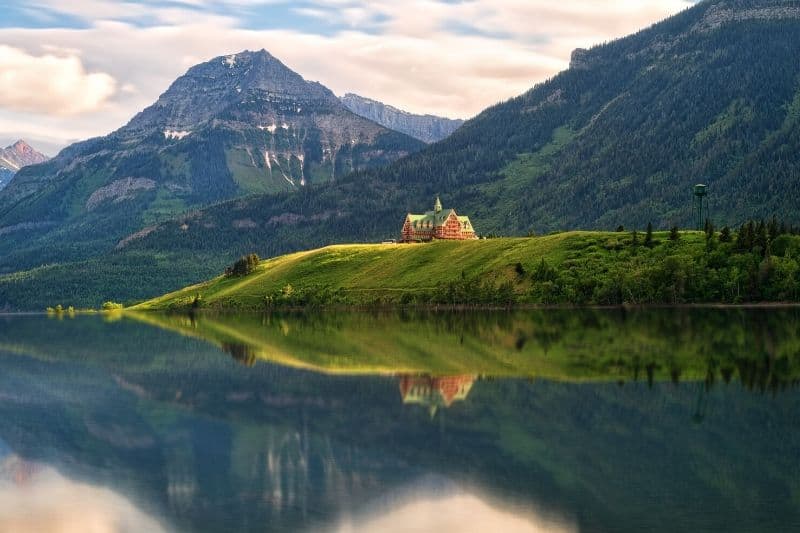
572, 267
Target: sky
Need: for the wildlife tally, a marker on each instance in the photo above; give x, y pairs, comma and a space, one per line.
74, 69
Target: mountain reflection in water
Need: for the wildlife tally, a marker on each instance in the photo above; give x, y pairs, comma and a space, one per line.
542, 421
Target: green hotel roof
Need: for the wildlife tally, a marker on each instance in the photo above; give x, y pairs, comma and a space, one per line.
437, 219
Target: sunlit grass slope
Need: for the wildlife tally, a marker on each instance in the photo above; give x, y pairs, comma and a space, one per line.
369, 273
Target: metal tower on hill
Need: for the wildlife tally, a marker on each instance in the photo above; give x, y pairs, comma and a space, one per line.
700, 203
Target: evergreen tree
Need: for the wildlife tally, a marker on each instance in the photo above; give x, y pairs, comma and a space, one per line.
741, 244
773, 229
243, 266
725, 235
674, 234
648, 237
762, 237
750, 234
709, 235
709, 229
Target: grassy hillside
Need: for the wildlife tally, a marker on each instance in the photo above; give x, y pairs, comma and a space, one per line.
572, 267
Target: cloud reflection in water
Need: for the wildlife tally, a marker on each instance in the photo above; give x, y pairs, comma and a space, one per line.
34, 499
463, 512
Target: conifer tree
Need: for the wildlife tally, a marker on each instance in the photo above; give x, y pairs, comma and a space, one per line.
750, 234
761, 237
648, 237
773, 229
741, 239
709, 229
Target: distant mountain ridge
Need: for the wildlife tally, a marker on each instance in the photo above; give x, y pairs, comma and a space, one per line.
427, 128
14, 157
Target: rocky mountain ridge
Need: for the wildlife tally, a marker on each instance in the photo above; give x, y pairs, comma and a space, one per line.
427, 128
14, 157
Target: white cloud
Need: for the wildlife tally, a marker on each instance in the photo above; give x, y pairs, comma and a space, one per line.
50, 83
426, 56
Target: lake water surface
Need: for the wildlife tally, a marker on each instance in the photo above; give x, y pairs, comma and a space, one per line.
595, 420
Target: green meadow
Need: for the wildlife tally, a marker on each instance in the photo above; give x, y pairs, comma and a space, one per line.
577, 268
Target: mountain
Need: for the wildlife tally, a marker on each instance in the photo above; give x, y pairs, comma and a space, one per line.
426, 128
14, 157
711, 95
233, 126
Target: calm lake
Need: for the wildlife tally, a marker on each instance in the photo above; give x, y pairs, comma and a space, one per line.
591, 420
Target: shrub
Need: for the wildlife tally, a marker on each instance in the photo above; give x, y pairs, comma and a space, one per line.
110, 306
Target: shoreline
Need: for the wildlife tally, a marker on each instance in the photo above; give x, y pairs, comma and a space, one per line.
430, 308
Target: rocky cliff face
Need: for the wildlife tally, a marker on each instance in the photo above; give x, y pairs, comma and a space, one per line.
426, 128
14, 157
747, 10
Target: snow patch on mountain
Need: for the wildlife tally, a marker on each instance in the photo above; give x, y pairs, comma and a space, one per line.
11, 165
176, 134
